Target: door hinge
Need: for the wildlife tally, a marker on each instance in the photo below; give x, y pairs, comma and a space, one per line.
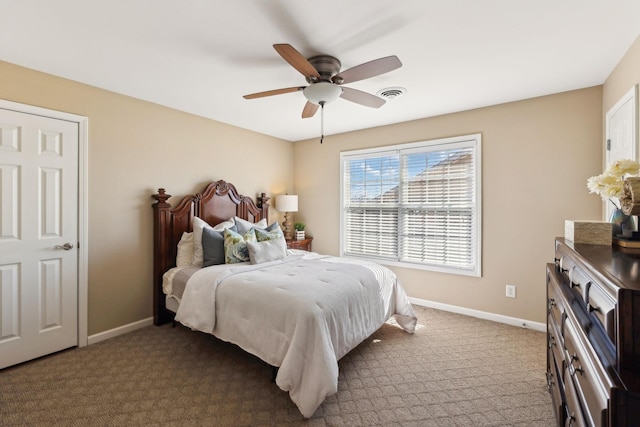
608, 145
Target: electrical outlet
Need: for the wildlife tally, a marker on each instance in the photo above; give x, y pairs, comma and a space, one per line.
511, 291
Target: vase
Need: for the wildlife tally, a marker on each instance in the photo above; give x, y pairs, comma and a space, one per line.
622, 224
299, 235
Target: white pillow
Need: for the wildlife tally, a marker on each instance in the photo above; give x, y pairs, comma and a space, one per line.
185, 250
268, 250
224, 225
198, 224
244, 226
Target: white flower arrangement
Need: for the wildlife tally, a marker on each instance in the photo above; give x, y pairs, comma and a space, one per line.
611, 182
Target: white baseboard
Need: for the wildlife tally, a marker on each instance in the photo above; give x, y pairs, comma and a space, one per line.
514, 321
101, 336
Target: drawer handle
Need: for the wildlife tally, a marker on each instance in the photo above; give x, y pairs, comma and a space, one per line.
592, 308
574, 284
552, 341
572, 369
564, 270
552, 302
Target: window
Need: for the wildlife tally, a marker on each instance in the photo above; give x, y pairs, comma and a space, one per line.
415, 205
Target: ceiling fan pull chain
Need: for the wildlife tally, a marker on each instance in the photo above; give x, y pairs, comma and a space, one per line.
321, 121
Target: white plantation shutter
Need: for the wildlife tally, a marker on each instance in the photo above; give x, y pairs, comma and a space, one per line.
415, 204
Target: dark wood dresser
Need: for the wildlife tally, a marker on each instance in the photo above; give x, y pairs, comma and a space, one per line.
593, 334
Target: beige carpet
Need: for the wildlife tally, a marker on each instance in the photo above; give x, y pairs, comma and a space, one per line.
454, 371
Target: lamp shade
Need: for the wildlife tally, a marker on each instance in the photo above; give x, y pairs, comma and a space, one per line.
287, 203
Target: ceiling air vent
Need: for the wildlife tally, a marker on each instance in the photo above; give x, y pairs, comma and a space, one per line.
391, 92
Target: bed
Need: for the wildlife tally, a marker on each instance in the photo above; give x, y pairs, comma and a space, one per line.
300, 312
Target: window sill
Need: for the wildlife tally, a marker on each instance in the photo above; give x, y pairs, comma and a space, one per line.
416, 266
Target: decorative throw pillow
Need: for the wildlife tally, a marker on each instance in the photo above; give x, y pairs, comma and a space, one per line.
267, 250
235, 245
276, 234
274, 227
268, 233
244, 226
213, 246
185, 250
198, 224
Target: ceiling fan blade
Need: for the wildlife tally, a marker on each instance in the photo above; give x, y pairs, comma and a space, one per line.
362, 98
297, 61
368, 69
309, 110
273, 92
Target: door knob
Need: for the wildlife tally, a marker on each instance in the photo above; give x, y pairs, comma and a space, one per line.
66, 246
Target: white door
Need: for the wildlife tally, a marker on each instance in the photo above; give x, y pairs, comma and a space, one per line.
38, 236
621, 132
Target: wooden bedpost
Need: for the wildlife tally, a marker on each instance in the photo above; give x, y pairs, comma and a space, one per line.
160, 246
262, 202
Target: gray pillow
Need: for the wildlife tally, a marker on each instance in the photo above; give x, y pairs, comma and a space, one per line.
268, 250
213, 246
244, 226
274, 227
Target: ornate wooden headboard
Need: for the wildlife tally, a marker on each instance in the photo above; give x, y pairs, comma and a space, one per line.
218, 202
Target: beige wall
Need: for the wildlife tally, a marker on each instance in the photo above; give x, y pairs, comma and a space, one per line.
622, 78
536, 157
135, 147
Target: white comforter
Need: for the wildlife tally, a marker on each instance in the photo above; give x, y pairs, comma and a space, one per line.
302, 314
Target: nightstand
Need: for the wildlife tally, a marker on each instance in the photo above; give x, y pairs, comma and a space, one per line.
305, 244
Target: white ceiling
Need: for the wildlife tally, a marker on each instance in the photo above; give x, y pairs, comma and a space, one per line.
201, 56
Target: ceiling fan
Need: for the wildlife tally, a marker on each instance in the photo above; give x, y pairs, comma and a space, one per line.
325, 80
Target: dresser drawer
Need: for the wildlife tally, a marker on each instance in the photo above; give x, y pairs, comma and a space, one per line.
554, 340
589, 378
572, 409
555, 384
573, 275
556, 302
579, 281
603, 306
565, 262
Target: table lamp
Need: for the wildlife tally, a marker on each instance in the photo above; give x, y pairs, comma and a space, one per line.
287, 203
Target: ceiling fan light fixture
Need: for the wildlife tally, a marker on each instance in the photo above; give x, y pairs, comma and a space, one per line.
322, 92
